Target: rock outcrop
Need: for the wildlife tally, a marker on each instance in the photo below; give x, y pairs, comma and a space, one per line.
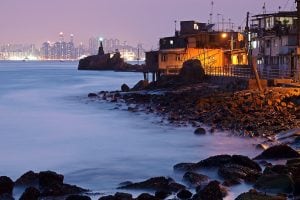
104, 61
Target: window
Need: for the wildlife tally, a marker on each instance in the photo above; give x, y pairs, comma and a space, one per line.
178, 57
164, 58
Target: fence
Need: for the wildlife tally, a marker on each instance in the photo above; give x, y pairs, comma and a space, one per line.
238, 71
246, 72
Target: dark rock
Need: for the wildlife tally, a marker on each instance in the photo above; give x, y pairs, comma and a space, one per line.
200, 131
162, 194
141, 85
184, 194
275, 183
125, 88
175, 187
157, 183
49, 179
92, 95
123, 196
213, 191
246, 162
192, 71
214, 161
277, 169
278, 152
6, 197
30, 193
125, 183
254, 195
109, 197
184, 167
29, 179
236, 172
78, 197
6, 185
146, 196
231, 182
194, 179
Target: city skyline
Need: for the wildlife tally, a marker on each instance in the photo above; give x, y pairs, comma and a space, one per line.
133, 21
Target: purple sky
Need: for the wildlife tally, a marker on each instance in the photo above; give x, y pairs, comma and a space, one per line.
145, 21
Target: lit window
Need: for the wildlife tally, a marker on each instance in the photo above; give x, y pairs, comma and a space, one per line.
171, 42
196, 27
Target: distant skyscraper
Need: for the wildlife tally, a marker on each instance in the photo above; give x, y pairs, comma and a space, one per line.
72, 38
61, 36
93, 45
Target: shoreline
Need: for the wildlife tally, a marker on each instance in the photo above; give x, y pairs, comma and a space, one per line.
233, 169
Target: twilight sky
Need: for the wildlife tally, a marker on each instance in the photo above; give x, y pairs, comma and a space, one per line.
134, 21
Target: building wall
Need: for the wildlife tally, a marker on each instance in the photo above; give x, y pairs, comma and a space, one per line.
170, 60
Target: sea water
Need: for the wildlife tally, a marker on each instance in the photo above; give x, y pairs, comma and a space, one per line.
47, 122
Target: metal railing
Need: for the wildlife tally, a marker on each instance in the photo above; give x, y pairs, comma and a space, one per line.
246, 72
238, 71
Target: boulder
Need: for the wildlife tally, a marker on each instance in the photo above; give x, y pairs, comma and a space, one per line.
162, 194
109, 197
49, 179
146, 196
92, 95
213, 191
184, 194
278, 152
254, 195
123, 196
192, 71
200, 131
125, 88
6, 185
184, 167
156, 183
194, 179
275, 183
214, 161
6, 197
78, 197
141, 85
30, 193
29, 179
236, 172
246, 162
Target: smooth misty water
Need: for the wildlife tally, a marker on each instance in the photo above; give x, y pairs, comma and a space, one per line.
48, 123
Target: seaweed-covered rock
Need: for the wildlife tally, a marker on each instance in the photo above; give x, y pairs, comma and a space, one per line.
213, 191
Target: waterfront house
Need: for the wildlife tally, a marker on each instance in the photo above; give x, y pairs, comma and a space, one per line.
215, 49
274, 42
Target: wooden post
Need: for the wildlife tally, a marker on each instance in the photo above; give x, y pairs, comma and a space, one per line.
254, 67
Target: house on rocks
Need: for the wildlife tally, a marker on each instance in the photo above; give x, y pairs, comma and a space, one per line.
275, 44
217, 50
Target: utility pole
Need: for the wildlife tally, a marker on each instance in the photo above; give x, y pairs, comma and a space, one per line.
211, 13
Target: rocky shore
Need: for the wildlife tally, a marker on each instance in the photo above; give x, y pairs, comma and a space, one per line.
183, 100
279, 181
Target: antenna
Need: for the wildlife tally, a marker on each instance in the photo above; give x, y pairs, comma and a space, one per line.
211, 12
264, 8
